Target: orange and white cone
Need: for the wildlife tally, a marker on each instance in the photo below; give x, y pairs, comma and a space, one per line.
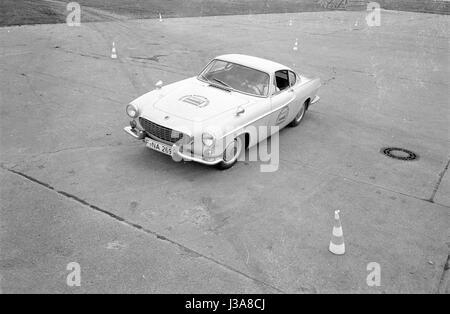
113, 52
337, 245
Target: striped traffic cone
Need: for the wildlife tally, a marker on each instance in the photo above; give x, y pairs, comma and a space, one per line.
337, 245
295, 45
113, 52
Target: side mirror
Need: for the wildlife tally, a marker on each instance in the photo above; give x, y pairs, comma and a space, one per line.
159, 84
240, 111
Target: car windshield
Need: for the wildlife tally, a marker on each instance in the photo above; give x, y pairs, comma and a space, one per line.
236, 77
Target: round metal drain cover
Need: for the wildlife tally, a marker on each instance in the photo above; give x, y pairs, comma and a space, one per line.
399, 153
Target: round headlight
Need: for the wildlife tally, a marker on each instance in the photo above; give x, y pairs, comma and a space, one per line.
208, 139
132, 111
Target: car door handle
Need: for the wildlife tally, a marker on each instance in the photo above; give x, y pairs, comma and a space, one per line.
240, 111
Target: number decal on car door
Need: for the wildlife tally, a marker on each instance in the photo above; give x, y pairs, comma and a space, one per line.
282, 116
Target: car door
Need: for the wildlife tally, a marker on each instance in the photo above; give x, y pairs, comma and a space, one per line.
282, 99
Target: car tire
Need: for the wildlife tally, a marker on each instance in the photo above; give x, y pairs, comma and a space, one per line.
230, 157
300, 115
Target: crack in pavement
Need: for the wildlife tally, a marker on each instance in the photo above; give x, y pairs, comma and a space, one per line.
138, 60
5, 162
73, 81
365, 125
143, 229
445, 279
438, 183
82, 147
298, 162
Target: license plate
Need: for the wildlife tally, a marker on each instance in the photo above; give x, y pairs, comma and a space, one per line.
158, 146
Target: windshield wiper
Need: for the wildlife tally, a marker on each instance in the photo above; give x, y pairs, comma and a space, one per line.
222, 82
226, 86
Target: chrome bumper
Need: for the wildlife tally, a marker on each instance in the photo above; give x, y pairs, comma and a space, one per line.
176, 154
137, 134
193, 158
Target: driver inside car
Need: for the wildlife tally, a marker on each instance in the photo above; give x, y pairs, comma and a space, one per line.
258, 85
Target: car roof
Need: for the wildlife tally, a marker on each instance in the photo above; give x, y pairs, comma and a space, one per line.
254, 62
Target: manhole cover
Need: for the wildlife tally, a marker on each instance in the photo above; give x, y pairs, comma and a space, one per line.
399, 153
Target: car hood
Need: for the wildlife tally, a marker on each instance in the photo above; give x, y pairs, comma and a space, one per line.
197, 101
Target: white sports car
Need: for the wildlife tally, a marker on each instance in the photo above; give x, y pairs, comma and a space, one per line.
212, 118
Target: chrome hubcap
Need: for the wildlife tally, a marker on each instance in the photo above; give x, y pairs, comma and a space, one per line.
232, 151
300, 114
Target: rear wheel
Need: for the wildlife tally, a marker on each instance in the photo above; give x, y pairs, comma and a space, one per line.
231, 153
300, 115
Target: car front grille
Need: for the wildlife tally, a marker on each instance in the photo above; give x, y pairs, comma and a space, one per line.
160, 132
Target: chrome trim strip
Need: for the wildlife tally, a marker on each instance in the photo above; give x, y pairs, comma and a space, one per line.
254, 120
316, 99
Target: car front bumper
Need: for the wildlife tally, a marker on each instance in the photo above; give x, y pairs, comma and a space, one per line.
177, 151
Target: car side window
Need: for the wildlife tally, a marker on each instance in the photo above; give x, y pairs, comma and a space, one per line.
281, 80
292, 78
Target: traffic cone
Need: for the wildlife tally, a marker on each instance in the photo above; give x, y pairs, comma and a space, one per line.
160, 17
337, 245
113, 52
295, 45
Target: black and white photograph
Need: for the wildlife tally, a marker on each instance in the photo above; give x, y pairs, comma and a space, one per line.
219, 154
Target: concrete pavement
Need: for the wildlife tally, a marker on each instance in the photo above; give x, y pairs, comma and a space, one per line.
64, 157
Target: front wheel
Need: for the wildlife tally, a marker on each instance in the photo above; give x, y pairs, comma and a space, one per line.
300, 115
231, 154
